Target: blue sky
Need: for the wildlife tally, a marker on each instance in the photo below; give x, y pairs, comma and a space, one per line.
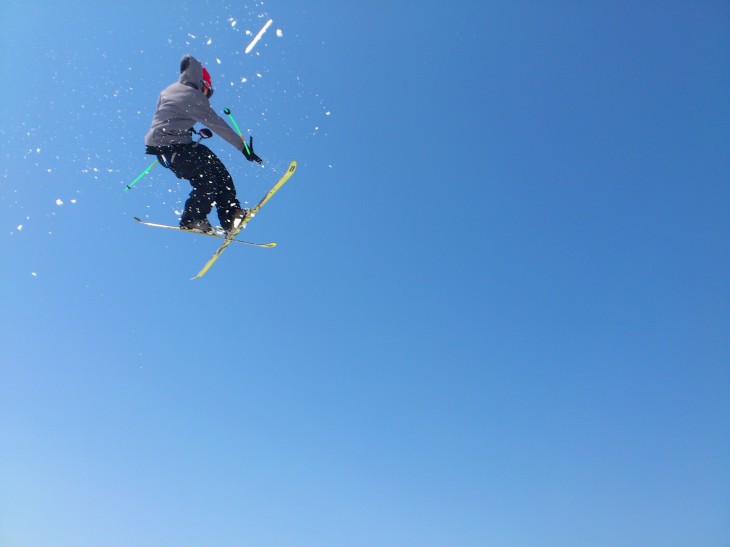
497, 314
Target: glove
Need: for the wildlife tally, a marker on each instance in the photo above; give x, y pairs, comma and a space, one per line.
249, 153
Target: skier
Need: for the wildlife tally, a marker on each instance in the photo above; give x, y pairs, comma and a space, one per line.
180, 106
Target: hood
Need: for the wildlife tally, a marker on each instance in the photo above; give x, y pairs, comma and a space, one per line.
191, 72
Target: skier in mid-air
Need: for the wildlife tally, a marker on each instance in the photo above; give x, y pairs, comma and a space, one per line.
180, 106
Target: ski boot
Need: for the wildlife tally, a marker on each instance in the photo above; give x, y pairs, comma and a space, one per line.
239, 216
201, 225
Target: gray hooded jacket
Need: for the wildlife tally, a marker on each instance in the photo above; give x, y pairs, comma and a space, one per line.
182, 105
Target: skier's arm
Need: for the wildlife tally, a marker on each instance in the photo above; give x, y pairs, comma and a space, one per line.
208, 117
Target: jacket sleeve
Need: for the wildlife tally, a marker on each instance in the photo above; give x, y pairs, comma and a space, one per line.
207, 116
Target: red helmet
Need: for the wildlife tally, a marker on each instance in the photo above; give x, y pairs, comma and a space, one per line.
206, 80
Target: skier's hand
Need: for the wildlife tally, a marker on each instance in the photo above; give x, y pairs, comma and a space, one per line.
249, 153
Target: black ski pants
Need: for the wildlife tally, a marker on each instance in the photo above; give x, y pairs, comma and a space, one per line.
211, 182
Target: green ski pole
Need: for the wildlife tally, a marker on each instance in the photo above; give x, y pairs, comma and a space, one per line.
142, 174
227, 112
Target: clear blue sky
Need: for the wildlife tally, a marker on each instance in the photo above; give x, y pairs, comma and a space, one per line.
498, 313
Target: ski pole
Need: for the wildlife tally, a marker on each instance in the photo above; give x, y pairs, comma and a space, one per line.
142, 174
227, 112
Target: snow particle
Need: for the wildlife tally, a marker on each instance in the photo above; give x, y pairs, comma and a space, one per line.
279, 33
258, 36
59, 202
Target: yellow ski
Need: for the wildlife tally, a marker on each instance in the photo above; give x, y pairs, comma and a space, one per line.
252, 213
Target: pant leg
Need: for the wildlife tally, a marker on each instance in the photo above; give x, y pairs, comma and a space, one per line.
223, 188
211, 182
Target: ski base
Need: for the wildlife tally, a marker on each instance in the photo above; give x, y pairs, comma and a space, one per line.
217, 235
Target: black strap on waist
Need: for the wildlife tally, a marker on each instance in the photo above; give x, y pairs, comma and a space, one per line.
167, 149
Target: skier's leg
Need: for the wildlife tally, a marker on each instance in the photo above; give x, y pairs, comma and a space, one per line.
191, 164
223, 189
